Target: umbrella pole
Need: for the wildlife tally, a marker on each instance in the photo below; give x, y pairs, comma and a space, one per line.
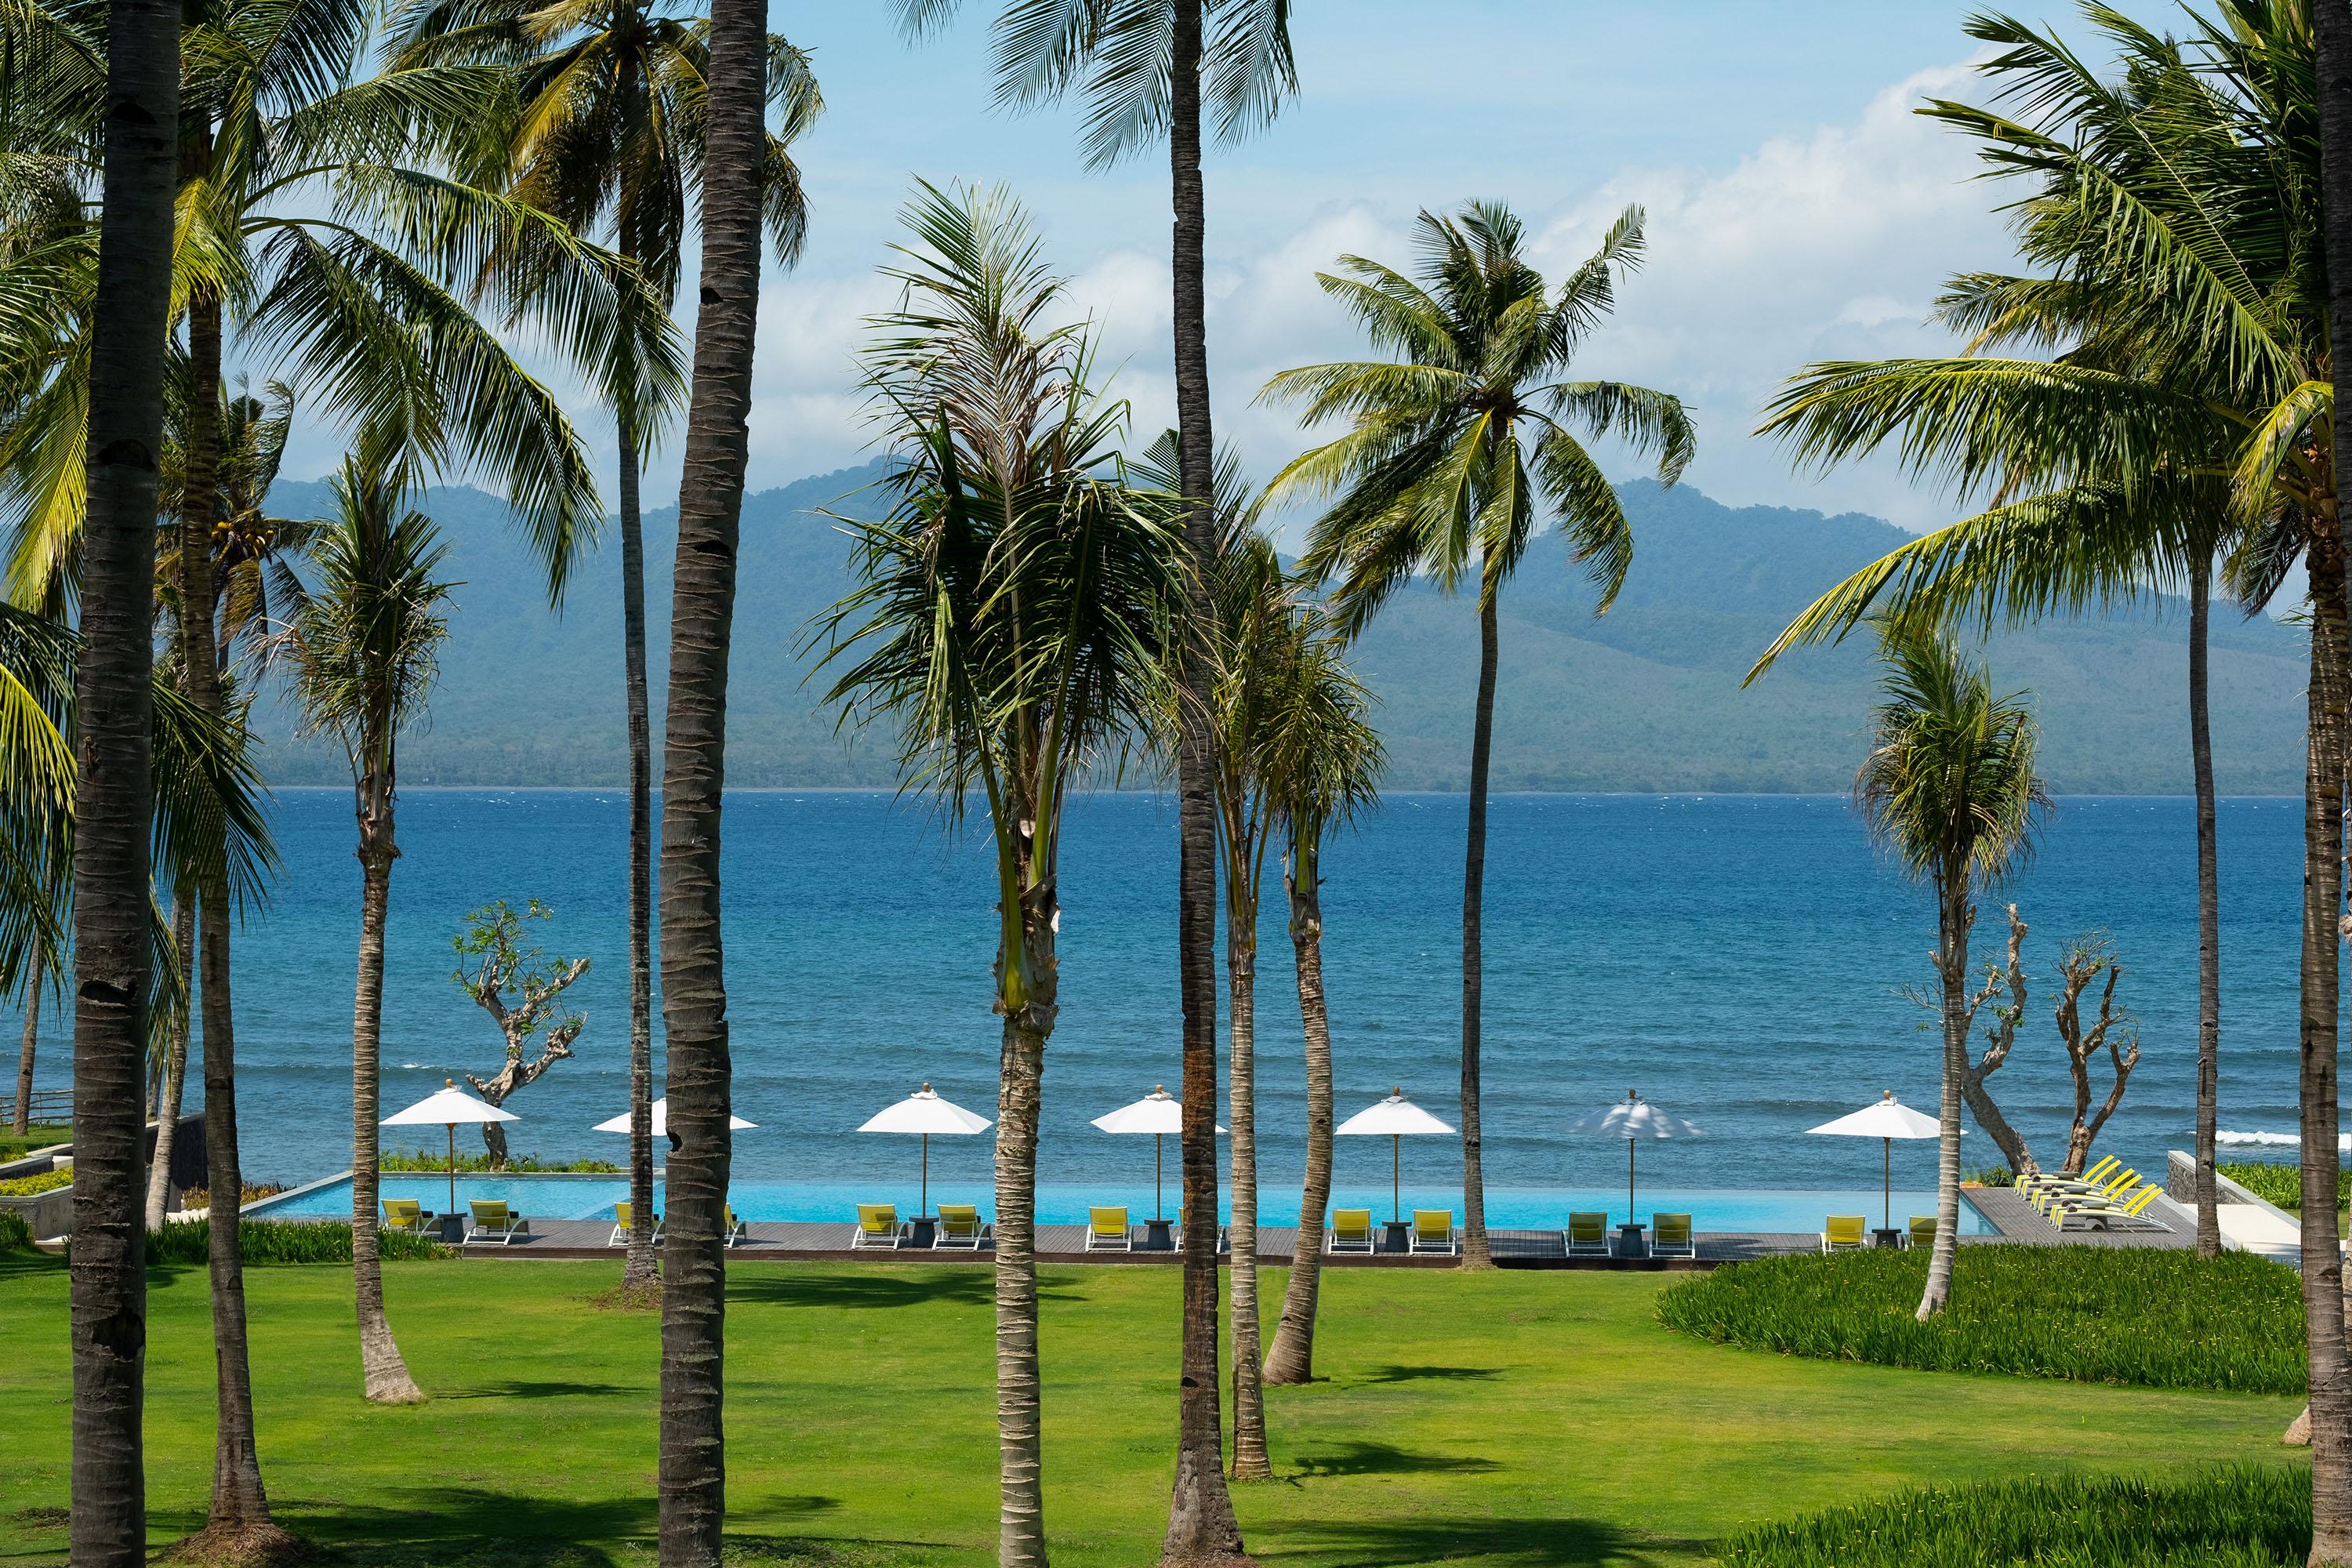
1629, 1181
1156, 1174
453, 1167
1886, 1188
926, 1199
1396, 1179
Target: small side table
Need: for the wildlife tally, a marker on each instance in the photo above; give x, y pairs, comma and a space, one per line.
1632, 1239
1396, 1237
1892, 1236
448, 1229
1158, 1235
923, 1231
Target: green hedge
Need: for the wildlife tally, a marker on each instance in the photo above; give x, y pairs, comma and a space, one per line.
275, 1241
33, 1186
425, 1160
2245, 1517
2279, 1183
16, 1232
2160, 1318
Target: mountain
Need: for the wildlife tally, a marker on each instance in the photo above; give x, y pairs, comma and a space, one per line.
1648, 698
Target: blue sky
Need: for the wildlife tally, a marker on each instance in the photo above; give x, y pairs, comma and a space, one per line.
1797, 208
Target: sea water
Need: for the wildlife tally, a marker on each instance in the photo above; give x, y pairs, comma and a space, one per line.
1738, 960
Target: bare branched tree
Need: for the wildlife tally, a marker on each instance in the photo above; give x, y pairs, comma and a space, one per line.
492, 958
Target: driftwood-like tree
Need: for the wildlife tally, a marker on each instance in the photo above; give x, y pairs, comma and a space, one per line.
2087, 958
2008, 977
494, 958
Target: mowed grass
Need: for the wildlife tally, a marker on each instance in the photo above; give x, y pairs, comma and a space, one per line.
1517, 1420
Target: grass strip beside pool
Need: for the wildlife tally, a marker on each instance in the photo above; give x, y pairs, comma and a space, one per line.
2162, 1319
2239, 1517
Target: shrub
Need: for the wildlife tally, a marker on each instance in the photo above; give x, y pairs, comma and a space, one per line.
2279, 1183
267, 1241
2160, 1318
202, 1197
2243, 1517
416, 1160
37, 1136
33, 1186
16, 1232
1992, 1177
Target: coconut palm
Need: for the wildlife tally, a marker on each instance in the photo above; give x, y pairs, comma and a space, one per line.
692, 1477
1322, 761
1144, 68
361, 643
1010, 625
1454, 454
1948, 790
608, 137
112, 801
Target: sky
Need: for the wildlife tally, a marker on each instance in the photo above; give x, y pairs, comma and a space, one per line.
1797, 208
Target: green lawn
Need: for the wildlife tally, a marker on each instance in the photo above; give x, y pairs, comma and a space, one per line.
1518, 1420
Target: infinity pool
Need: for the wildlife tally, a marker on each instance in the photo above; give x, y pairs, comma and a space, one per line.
593, 1197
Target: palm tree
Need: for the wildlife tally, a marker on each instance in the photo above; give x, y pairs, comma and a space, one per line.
1436, 469
361, 641
692, 1477
1322, 763
608, 134
1010, 625
1949, 790
112, 803
1141, 66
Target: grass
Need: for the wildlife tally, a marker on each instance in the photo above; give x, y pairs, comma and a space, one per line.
2239, 1517
2279, 1183
267, 1243
1500, 1420
38, 1135
2158, 1317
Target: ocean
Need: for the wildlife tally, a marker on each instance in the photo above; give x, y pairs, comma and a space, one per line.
1740, 959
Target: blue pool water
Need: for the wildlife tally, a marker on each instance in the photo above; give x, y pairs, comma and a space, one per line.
574, 1197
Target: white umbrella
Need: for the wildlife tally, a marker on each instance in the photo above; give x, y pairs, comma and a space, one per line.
1888, 1119
447, 1107
1633, 1119
1160, 1114
1395, 1119
661, 1120
925, 1113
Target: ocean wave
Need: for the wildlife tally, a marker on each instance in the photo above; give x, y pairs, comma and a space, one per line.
2274, 1140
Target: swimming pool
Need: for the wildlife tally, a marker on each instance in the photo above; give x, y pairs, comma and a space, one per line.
1507, 1208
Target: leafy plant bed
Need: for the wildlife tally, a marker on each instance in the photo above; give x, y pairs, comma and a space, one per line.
15, 1235
266, 1242
34, 1186
416, 1160
2159, 1318
2243, 1517
201, 1197
2279, 1183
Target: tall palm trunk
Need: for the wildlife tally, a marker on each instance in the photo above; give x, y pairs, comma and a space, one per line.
113, 799
693, 1467
1475, 1252
385, 1372
1028, 1013
25, 1055
1240, 978
640, 1270
1291, 1359
176, 1065
2208, 916
1201, 1523
1952, 916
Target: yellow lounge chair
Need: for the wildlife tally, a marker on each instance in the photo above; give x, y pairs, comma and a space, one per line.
2102, 1172
621, 1226
1179, 1233
730, 1229
1433, 1231
1587, 1235
1108, 1231
877, 1227
1670, 1237
2098, 1216
1351, 1231
493, 1221
2113, 1189
1922, 1232
961, 1225
1844, 1233
405, 1214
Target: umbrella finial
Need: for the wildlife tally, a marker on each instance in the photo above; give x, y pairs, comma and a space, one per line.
1887, 1094
1397, 1093
1159, 1089
448, 1083
927, 1085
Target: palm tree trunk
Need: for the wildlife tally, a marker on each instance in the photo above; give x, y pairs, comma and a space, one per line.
1952, 967
112, 798
1475, 1253
176, 1065
1241, 977
693, 1467
1021, 1493
640, 1270
25, 1056
2208, 915
1291, 1359
386, 1373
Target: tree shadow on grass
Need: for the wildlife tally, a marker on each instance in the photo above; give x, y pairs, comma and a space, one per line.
1394, 1374
1359, 1456
479, 1527
514, 1388
880, 1287
1374, 1542
16, 1265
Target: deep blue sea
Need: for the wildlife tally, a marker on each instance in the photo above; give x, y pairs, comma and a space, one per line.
1735, 959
